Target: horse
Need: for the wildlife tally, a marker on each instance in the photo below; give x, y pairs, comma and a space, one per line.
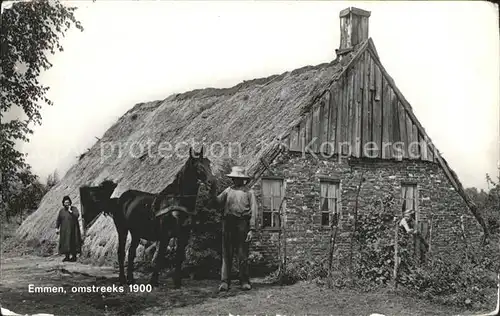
156, 217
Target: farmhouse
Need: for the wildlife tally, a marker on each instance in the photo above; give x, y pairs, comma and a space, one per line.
307, 137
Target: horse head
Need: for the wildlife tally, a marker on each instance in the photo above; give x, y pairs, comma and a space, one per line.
200, 166
96, 200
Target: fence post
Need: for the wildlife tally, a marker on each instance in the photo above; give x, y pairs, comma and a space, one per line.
396, 257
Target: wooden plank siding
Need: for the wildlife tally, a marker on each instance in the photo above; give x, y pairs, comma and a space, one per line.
402, 128
397, 149
372, 74
302, 136
362, 107
294, 139
334, 97
340, 114
286, 141
326, 123
359, 106
377, 114
423, 147
345, 113
315, 128
416, 144
350, 108
366, 126
308, 130
356, 108
409, 135
386, 120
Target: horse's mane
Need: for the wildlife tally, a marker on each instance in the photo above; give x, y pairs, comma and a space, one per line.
173, 187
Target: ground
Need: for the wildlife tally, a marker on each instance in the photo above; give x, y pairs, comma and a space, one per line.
195, 298
18, 270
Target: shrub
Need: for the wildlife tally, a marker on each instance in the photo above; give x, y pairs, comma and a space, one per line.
374, 259
451, 282
462, 278
301, 270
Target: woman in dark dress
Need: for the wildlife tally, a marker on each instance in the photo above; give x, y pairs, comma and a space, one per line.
68, 228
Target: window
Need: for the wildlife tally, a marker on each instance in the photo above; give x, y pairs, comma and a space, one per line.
329, 202
272, 197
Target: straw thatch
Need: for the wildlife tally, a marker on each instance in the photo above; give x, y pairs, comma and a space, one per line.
251, 114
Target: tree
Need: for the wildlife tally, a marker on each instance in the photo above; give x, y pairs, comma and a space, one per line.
491, 207
30, 32
25, 195
489, 203
52, 180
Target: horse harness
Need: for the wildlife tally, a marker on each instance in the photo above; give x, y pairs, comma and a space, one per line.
173, 208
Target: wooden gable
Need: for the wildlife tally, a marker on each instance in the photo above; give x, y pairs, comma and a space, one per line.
362, 111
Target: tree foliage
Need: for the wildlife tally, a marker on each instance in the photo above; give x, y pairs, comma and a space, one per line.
25, 194
30, 33
52, 180
488, 202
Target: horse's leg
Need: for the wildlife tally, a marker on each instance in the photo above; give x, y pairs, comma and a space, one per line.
122, 239
131, 257
160, 255
180, 256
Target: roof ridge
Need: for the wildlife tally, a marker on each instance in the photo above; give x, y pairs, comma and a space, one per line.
245, 84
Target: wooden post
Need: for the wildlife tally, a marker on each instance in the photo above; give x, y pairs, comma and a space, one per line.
282, 259
396, 257
396, 242
430, 238
284, 248
333, 237
355, 223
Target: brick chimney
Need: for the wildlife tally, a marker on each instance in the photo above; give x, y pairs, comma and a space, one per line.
353, 28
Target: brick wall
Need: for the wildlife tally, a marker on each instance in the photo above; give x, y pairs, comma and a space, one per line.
305, 237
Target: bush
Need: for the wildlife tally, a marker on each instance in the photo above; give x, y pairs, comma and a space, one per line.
374, 259
300, 270
464, 278
451, 282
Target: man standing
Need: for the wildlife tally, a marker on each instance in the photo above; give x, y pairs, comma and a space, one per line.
240, 209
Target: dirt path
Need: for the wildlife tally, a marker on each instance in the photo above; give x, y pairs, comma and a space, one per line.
195, 298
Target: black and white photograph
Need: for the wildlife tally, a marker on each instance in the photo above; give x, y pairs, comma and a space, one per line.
164, 157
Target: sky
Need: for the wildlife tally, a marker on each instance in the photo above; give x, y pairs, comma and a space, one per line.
443, 56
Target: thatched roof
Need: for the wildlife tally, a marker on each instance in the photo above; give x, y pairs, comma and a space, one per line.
251, 114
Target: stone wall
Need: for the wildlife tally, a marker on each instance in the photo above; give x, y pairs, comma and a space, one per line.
306, 238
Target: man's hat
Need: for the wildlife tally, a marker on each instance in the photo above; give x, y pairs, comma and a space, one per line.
238, 172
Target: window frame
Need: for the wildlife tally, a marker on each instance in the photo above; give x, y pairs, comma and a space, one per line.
274, 210
336, 203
